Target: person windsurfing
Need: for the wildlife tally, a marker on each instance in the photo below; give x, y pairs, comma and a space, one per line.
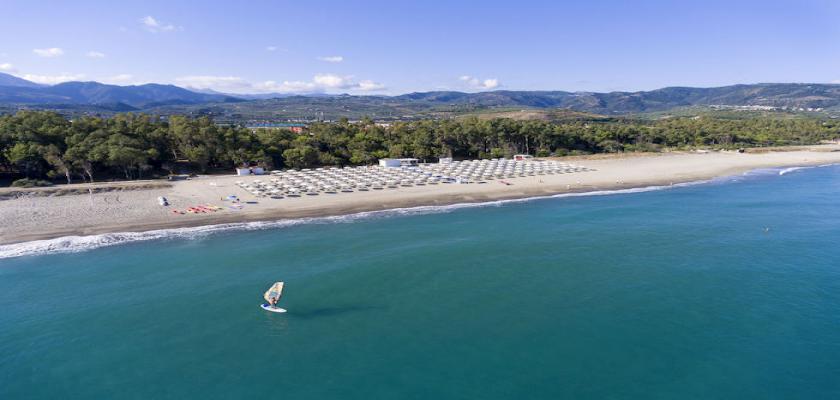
273, 294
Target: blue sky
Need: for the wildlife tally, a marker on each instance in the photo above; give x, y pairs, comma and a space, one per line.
391, 47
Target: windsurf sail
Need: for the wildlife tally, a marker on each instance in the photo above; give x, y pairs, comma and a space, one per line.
275, 291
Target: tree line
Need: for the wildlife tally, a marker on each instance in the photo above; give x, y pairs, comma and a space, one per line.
41, 144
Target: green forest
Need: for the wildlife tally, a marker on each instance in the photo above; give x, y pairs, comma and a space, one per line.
41, 145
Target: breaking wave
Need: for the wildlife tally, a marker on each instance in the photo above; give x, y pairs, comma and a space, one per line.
786, 171
775, 171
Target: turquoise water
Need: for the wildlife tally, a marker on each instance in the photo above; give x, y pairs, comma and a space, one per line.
678, 293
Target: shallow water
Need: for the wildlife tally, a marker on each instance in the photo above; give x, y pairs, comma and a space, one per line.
729, 289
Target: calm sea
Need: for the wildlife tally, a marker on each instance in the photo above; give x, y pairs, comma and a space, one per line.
727, 290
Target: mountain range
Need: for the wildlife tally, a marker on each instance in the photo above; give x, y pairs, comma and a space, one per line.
19, 91
13, 81
168, 99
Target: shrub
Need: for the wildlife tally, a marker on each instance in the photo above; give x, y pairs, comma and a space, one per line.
497, 153
28, 183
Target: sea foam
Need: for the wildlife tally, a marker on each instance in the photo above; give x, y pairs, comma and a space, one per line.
786, 171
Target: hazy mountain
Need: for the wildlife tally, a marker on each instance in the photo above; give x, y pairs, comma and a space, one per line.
11, 80
169, 99
95, 93
445, 104
259, 96
764, 94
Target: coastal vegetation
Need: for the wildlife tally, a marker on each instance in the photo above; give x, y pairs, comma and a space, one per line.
39, 145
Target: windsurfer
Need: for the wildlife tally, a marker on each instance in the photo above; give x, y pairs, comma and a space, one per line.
272, 295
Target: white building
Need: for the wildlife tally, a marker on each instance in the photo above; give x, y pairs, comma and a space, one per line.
398, 162
250, 171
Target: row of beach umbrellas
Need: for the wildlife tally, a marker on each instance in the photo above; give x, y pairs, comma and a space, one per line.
472, 170
333, 180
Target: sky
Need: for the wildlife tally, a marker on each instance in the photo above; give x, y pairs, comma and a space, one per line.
394, 47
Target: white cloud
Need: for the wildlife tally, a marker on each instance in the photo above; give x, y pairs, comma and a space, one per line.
370, 86
8, 67
271, 48
52, 79
50, 52
476, 83
491, 83
286, 87
95, 54
320, 83
233, 84
155, 26
332, 59
331, 81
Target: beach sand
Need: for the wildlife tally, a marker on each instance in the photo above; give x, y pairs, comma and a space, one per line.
32, 217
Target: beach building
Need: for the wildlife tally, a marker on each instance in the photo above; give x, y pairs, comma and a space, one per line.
523, 157
398, 162
294, 127
250, 171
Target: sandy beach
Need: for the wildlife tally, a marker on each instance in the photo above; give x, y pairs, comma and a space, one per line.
133, 207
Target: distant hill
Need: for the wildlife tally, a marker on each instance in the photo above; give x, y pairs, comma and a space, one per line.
764, 94
97, 94
824, 97
11, 80
96, 97
539, 114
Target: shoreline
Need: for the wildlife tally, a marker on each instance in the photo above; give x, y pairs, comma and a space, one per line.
649, 171
231, 219
89, 242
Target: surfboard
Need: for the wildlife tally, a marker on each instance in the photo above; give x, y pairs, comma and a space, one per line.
272, 309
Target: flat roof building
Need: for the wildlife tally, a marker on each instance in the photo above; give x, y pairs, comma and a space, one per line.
523, 157
294, 127
398, 162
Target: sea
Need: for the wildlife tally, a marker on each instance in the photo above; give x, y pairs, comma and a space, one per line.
726, 289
